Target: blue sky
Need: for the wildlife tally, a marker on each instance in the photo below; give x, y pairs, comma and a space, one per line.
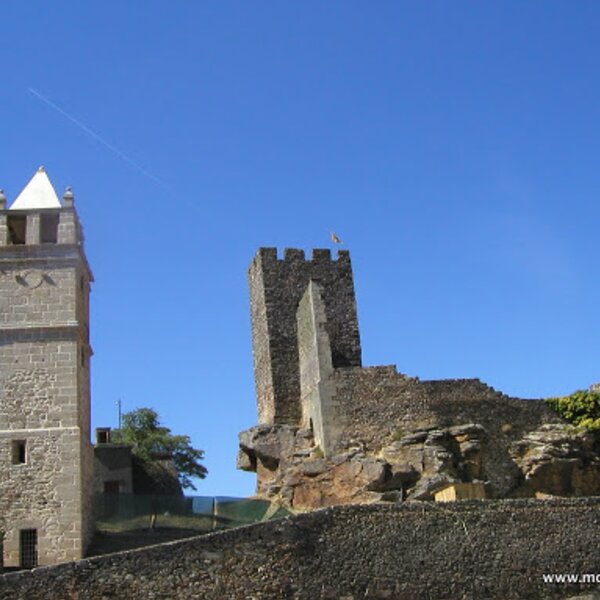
453, 146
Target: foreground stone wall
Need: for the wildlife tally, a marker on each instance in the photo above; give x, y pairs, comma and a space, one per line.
475, 550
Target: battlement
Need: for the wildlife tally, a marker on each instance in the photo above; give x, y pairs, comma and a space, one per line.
271, 256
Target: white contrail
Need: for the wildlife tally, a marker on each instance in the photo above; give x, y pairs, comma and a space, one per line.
98, 138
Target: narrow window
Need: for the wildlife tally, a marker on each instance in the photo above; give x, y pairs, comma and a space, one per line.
19, 452
16, 229
103, 435
28, 548
49, 228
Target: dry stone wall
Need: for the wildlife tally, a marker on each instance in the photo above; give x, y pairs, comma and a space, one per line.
461, 551
378, 404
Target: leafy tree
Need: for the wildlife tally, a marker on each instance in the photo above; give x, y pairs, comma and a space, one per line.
582, 408
151, 441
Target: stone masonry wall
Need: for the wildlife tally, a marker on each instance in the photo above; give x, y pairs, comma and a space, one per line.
44, 392
38, 382
29, 294
43, 494
276, 287
331, 431
460, 551
378, 403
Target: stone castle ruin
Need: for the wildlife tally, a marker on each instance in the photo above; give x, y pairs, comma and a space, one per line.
330, 432
333, 432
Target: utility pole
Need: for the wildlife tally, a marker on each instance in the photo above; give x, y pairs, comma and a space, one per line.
118, 403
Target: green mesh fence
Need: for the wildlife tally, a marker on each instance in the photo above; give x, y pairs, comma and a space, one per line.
122, 512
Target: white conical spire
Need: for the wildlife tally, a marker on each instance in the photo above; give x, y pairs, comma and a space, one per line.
38, 193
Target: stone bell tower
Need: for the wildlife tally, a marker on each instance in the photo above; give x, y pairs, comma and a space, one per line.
46, 458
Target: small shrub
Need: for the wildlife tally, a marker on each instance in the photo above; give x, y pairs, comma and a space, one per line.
582, 409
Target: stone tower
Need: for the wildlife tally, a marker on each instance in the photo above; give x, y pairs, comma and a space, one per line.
276, 288
46, 459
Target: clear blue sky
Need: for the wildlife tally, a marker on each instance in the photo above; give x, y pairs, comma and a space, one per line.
454, 146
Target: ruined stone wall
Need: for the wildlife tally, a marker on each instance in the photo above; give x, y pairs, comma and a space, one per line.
378, 404
471, 550
333, 432
276, 287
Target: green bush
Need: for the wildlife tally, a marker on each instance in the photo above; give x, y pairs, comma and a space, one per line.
582, 408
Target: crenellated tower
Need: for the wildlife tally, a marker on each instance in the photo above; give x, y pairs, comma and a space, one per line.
46, 459
276, 288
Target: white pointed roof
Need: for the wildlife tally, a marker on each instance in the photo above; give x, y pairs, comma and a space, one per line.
38, 193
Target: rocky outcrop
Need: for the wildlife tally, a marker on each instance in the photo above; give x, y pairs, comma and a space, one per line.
439, 457
554, 460
559, 460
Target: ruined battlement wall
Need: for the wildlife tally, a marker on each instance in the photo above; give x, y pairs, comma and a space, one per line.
471, 550
377, 404
276, 288
473, 400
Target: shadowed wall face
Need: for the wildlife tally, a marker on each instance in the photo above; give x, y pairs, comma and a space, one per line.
276, 288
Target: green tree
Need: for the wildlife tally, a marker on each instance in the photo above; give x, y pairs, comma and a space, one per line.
582, 408
152, 441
